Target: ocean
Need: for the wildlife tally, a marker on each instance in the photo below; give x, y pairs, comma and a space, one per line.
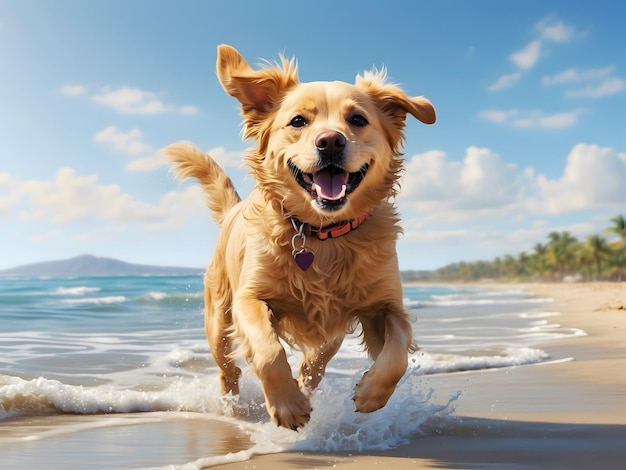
119, 367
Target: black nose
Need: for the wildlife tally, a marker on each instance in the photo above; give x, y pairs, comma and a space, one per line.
330, 143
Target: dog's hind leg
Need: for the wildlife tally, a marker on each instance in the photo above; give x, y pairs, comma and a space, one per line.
217, 326
222, 348
313, 365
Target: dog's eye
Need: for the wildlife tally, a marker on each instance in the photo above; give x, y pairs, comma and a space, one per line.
358, 120
298, 121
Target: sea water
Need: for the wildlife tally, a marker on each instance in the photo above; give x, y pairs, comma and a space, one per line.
116, 351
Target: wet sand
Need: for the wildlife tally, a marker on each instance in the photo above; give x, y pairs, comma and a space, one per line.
567, 414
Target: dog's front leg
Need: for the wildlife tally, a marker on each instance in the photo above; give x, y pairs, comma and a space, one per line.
285, 403
388, 337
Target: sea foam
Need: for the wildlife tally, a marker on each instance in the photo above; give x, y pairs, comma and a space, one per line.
79, 290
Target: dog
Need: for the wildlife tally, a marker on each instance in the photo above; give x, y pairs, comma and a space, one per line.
310, 254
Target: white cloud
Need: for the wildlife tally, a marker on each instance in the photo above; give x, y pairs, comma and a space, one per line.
145, 164
73, 198
593, 178
575, 75
439, 225
539, 120
127, 142
600, 82
505, 81
484, 185
498, 116
8, 197
528, 56
73, 90
128, 100
226, 158
608, 86
179, 206
548, 30
45, 236
481, 182
532, 119
130, 143
415, 233
188, 110
552, 29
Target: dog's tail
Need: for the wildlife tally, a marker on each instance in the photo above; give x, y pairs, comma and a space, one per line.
190, 162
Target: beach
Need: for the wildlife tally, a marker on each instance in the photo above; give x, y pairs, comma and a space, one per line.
563, 415
113, 394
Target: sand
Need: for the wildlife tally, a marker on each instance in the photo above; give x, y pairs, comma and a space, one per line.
567, 414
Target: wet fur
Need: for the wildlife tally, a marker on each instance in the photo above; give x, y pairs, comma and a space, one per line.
254, 291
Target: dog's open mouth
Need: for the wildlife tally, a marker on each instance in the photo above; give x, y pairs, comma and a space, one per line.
330, 185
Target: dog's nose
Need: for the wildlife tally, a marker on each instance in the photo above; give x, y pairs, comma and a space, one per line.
330, 143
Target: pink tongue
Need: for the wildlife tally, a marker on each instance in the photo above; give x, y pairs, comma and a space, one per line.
330, 186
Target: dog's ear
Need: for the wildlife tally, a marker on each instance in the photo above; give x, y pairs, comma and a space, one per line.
258, 91
393, 101
419, 107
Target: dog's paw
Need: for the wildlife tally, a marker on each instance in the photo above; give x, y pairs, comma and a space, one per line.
369, 395
292, 416
289, 407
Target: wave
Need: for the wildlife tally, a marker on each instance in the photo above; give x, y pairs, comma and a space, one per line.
158, 296
44, 396
448, 363
334, 425
187, 386
80, 290
445, 301
152, 296
107, 300
170, 385
155, 296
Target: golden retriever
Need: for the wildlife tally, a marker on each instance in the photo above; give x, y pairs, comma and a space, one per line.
311, 252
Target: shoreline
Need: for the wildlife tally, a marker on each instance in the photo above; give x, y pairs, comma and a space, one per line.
562, 414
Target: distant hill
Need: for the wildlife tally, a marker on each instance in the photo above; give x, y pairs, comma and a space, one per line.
88, 265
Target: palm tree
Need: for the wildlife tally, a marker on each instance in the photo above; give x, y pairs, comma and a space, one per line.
617, 261
617, 265
509, 266
561, 250
562, 255
618, 228
583, 256
497, 267
599, 250
539, 259
522, 264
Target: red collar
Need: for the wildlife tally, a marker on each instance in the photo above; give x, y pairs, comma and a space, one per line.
337, 229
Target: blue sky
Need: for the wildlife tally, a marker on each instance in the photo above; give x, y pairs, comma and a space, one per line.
530, 137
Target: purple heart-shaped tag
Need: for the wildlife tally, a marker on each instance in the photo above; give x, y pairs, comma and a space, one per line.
304, 259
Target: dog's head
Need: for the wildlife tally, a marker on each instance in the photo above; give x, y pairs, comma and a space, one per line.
327, 151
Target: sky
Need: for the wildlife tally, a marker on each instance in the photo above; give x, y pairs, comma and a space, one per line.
530, 136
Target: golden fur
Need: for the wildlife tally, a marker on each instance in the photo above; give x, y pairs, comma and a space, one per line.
254, 291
